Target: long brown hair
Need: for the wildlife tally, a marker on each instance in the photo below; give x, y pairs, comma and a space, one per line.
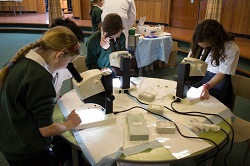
212, 32
58, 38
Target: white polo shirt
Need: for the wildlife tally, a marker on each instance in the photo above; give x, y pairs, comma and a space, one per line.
229, 65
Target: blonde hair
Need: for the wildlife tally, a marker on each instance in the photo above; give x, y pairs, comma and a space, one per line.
58, 38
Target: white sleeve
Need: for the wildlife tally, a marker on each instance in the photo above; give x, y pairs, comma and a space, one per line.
131, 14
232, 54
190, 53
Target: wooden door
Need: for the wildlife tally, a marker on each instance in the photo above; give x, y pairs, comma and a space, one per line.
235, 16
41, 7
85, 10
76, 5
187, 13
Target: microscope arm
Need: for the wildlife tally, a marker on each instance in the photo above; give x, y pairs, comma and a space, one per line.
93, 87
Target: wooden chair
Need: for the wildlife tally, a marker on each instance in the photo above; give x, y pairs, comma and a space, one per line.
240, 126
3, 6
18, 5
240, 87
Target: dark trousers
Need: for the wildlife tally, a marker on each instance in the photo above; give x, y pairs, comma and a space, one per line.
61, 149
44, 159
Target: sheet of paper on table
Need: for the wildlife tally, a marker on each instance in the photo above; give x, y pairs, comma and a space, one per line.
92, 140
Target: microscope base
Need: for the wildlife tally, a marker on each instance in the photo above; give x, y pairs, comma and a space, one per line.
190, 101
95, 118
187, 100
193, 96
118, 89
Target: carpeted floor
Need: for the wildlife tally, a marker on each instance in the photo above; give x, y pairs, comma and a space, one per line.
10, 43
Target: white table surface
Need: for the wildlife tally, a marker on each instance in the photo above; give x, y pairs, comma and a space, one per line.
163, 90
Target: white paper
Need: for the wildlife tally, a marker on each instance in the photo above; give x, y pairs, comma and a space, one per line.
100, 142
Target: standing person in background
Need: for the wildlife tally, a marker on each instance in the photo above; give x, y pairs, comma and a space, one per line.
27, 97
222, 60
95, 13
125, 8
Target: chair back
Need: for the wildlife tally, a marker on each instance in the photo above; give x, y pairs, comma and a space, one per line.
240, 86
80, 64
240, 126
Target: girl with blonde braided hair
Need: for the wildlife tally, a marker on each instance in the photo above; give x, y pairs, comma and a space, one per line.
27, 98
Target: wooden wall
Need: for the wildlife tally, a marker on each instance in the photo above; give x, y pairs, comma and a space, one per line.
29, 5
235, 16
40, 6
157, 11
81, 9
235, 13
77, 8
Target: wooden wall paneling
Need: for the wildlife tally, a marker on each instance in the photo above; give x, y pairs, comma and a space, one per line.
241, 22
155, 10
165, 11
227, 16
76, 8
184, 14
235, 16
202, 11
85, 10
63, 3
41, 8
30, 5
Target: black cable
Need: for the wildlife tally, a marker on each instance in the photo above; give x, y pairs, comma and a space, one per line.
186, 113
191, 114
168, 120
173, 110
128, 109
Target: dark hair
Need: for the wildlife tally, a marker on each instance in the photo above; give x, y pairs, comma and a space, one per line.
69, 24
112, 24
212, 32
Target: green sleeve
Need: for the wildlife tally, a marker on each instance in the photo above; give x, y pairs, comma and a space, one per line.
40, 95
123, 42
93, 51
97, 14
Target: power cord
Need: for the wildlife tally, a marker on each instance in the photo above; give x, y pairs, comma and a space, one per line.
192, 114
173, 110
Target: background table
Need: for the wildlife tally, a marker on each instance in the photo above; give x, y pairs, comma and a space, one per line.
149, 50
162, 154
12, 6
